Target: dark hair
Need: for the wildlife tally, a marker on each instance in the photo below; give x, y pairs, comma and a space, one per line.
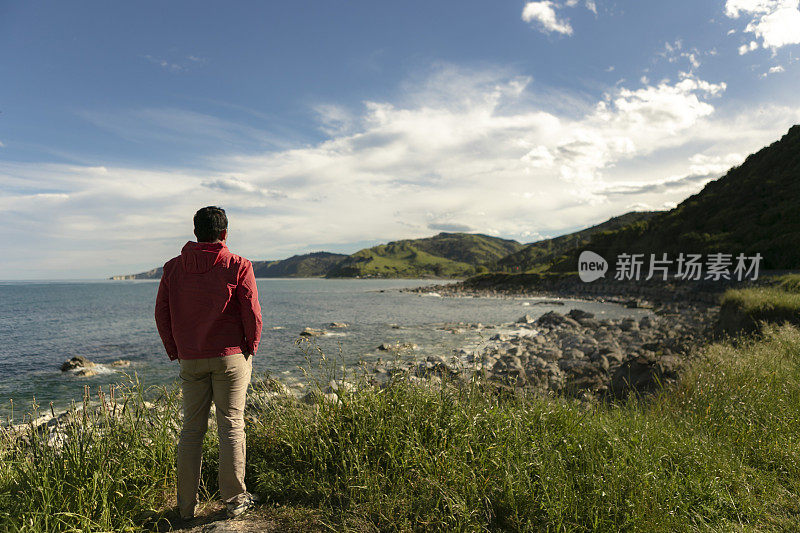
209, 223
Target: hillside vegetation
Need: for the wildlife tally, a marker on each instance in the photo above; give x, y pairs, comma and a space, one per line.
311, 265
541, 255
746, 310
315, 264
447, 255
752, 209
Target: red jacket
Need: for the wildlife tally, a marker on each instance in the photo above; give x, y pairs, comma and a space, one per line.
207, 303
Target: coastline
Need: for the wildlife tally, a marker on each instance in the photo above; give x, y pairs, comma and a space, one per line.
569, 352
543, 396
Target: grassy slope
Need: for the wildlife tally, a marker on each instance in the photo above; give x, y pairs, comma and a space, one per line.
447, 255
399, 260
311, 265
718, 452
752, 209
743, 310
444, 255
538, 256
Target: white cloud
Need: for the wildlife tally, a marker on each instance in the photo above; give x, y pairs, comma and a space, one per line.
463, 149
179, 65
673, 52
775, 22
334, 119
163, 63
773, 70
589, 4
178, 126
544, 14
752, 45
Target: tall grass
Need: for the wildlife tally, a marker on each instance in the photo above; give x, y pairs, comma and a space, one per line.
743, 310
109, 465
789, 282
718, 452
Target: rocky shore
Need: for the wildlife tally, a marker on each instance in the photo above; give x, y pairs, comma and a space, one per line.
573, 353
632, 293
576, 353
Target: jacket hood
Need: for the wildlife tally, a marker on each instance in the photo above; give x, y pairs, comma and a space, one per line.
200, 257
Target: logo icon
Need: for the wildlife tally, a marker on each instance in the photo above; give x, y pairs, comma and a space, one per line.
591, 266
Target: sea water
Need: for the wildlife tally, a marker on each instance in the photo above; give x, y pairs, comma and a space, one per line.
43, 324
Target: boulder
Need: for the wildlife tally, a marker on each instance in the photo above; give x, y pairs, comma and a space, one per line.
574, 353
311, 332
120, 363
78, 361
338, 325
583, 375
551, 318
647, 322
602, 362
387, 347
644, 373
590, 323
549, 354
86, 373
579, 314
525, 319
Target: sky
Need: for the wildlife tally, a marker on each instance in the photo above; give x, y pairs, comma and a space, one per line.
322, 125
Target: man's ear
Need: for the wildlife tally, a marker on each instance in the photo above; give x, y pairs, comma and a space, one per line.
223, 235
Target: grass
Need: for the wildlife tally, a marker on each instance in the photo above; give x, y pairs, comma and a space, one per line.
110, 469
767, 302
743, 310
400, 259
788, 283
718, 452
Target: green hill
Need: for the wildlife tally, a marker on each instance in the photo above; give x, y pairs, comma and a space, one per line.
446, 255
311, 265
540, 255
753, 208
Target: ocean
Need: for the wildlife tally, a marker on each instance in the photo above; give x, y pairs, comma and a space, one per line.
43, 324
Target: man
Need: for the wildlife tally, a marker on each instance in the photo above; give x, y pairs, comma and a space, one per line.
209, 318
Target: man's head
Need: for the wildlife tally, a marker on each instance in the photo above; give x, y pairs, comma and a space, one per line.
210, 224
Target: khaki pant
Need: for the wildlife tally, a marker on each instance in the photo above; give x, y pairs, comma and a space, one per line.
223, 380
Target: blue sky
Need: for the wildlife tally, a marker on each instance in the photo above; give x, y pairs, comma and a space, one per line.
336, 125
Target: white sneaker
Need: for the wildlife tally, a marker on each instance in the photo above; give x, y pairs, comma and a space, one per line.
237, 509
